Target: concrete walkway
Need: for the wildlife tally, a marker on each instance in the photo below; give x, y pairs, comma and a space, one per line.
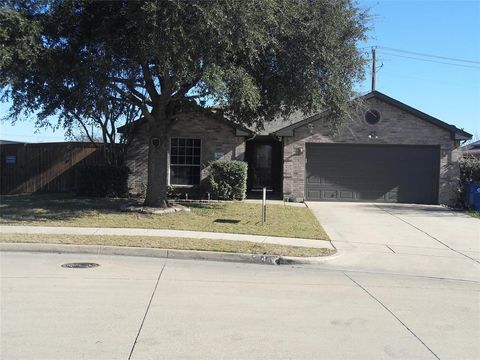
64, 230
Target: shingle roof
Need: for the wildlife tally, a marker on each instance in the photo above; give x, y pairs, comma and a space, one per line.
5, 142
471, 146
280, 122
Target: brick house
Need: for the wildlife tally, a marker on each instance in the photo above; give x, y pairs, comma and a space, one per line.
387, 152
471, 150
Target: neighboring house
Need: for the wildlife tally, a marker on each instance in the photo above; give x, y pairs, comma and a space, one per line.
387, 152
471, 150
4, 142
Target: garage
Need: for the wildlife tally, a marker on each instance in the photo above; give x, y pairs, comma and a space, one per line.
372, 173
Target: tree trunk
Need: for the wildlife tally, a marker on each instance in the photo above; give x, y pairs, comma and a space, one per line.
157, 165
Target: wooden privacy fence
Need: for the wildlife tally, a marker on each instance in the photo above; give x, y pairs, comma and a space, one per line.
45, 167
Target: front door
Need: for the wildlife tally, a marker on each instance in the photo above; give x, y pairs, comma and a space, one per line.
261, 164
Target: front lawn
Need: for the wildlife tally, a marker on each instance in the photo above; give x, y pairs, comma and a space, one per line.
229, 217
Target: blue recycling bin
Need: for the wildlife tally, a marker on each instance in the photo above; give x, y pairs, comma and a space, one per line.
472, 192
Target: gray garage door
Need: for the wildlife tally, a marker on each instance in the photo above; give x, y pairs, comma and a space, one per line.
378, 173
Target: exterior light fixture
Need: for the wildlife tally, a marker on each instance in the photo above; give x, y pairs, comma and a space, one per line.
373, 135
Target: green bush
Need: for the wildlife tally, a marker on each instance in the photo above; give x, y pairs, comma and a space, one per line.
228, 179
103, 180
469, 171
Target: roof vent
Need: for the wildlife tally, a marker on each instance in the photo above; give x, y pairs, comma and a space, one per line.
372, 117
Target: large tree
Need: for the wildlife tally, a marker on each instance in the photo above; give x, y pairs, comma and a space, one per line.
255, 59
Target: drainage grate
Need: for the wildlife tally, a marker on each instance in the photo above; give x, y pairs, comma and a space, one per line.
80, 265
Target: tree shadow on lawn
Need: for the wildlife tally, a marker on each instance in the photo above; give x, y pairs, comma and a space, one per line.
57, 207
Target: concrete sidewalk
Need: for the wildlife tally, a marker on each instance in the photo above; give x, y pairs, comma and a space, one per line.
96, 231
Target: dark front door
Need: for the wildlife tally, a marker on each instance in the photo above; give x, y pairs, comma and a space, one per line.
378, 173
262, 166
264, 156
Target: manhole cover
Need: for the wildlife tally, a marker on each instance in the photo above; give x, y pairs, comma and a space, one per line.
80, 265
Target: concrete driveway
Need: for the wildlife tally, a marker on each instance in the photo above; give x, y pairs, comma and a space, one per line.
420, 239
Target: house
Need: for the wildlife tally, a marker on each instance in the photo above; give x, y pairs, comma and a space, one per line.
387, 152
471, 150
5, 142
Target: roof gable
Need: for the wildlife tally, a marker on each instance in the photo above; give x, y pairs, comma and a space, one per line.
457, 134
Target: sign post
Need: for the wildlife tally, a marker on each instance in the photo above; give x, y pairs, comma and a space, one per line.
264, 206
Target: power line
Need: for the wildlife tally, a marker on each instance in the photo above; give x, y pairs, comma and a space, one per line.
433, 61
428, 55
446, 83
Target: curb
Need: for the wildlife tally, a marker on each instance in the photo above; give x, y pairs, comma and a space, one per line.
164, 253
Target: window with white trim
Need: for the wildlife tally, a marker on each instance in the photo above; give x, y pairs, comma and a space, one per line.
185, 161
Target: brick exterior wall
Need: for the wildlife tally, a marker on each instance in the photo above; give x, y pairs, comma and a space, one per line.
396, 127
216, 137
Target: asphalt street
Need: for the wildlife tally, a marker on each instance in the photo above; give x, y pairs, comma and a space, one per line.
146, 308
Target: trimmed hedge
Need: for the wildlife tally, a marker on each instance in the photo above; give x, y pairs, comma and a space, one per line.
227, 179
103, 180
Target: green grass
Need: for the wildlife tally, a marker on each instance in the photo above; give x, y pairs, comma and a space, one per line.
474, 213
230, 217
244, 247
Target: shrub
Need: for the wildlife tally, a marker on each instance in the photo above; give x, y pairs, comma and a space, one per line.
469, 171
228, 179
103, 180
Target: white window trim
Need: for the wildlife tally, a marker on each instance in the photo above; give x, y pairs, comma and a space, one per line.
170, 164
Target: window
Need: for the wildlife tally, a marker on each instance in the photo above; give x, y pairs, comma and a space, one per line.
372, 117
185, 161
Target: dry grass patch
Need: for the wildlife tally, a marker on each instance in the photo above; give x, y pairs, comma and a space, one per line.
244, 247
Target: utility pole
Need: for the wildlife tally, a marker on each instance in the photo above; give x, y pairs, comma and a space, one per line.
374, 72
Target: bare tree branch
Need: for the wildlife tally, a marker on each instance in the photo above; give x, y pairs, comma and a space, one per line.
82, 123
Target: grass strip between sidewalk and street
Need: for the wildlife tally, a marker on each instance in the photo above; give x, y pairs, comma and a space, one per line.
245, 247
